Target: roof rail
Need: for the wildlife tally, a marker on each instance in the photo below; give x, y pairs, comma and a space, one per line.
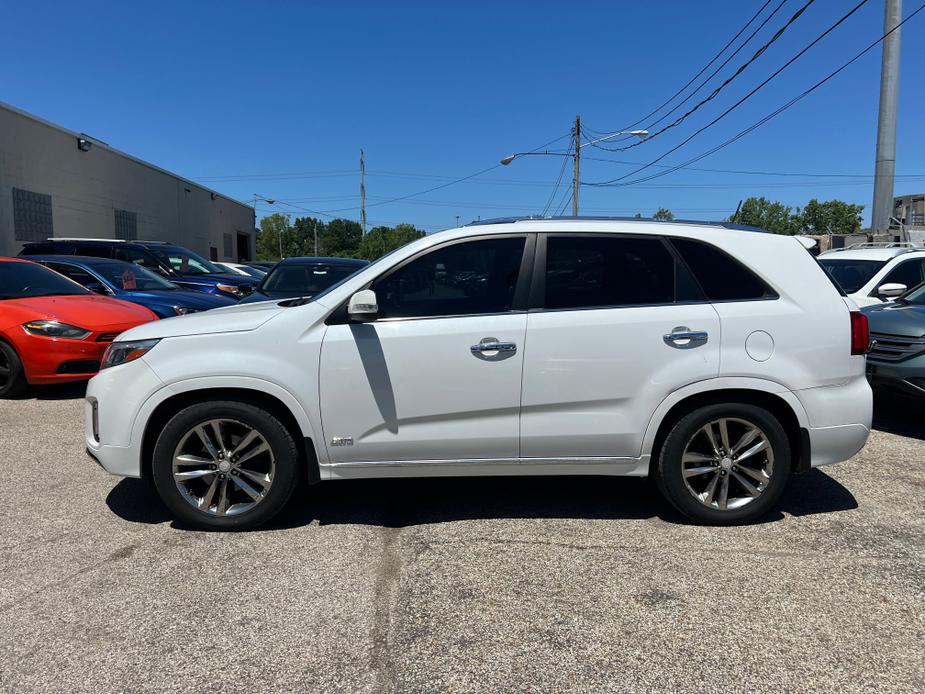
905, 245
82, 238
539, 218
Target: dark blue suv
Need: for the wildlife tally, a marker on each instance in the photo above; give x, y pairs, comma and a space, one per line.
175, 263
131, 282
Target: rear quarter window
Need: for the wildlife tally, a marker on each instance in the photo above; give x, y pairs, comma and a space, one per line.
720, 276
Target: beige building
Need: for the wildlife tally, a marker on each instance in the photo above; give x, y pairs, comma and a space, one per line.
909, 211
56, 182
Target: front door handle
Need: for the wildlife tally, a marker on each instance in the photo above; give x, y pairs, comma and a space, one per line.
491, 344
683, 337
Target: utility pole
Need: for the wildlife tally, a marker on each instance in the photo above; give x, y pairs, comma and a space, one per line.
362, 194
457, 220
885, 168
576, 177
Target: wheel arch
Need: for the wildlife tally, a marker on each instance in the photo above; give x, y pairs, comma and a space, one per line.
172, 404
769, 396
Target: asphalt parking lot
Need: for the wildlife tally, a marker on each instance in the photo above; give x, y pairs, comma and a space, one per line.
494, 585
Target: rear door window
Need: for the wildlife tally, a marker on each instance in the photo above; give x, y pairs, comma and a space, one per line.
722, 277
604, 270
90, 250
137, 257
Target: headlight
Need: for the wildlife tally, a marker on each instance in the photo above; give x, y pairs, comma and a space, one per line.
183, 310
230, 288
124, 352
52, 328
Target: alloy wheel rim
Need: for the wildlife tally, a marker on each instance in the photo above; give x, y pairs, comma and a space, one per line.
223, 467
727, 463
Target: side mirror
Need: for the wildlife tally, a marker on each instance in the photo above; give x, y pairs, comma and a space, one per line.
97, 288
363, 306
891, 290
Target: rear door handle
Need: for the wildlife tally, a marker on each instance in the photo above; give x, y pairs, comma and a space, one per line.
683, 337
491, 344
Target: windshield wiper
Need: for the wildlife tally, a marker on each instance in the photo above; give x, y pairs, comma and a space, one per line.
299, 301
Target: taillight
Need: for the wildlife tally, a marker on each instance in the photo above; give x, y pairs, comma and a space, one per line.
860, 333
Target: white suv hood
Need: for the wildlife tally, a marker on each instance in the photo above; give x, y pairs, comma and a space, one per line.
229, 319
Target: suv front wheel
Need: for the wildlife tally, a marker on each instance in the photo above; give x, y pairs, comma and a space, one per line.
724, 464
225, 465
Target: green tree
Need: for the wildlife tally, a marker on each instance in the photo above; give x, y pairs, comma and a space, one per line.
764, 213
382, 239
274, 232
831, 217
305, 229
664, 214
340, 238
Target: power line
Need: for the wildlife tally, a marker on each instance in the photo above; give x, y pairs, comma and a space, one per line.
712, 75
702, 70
555, 189
445, 185
743, 99
745, 65
764, 120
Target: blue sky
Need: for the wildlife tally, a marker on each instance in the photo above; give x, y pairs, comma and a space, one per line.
277, 99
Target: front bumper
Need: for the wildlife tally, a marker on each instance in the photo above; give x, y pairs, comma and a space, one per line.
50, 360
119, 394
905, 377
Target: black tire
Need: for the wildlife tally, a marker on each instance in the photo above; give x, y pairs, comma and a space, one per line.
12, 377
285, 453
671, 483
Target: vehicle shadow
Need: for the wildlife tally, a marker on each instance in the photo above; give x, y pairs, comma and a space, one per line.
898, 415
396, 503
61, 391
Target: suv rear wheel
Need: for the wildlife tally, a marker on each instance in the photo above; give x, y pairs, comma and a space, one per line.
225, 465
724, 464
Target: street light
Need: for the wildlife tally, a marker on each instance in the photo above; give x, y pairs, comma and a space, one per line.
576, 155
641, 134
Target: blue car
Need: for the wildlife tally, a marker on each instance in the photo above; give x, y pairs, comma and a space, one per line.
303, 276
175, 263
131, 282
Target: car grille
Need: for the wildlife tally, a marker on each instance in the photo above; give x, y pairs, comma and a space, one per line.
87, 366
107, 337
895, 347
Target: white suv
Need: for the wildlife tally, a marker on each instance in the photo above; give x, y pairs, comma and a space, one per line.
871, 274
717, 360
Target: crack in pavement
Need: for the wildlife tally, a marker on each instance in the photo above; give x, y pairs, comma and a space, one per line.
386, 577
118, 555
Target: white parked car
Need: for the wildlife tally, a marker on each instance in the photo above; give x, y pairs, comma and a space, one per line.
717, 360
873, 273
239, 269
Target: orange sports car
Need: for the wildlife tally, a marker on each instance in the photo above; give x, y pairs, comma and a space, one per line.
53, 330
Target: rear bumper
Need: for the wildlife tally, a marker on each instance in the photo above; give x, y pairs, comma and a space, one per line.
833, 444
839, 419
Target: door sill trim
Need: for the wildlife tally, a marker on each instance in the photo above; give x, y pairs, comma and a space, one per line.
610, 466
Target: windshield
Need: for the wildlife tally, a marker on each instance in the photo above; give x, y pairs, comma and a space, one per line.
305, 279
254, 272
23, 280
915, 296
851, 275
184, 261
132, 277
